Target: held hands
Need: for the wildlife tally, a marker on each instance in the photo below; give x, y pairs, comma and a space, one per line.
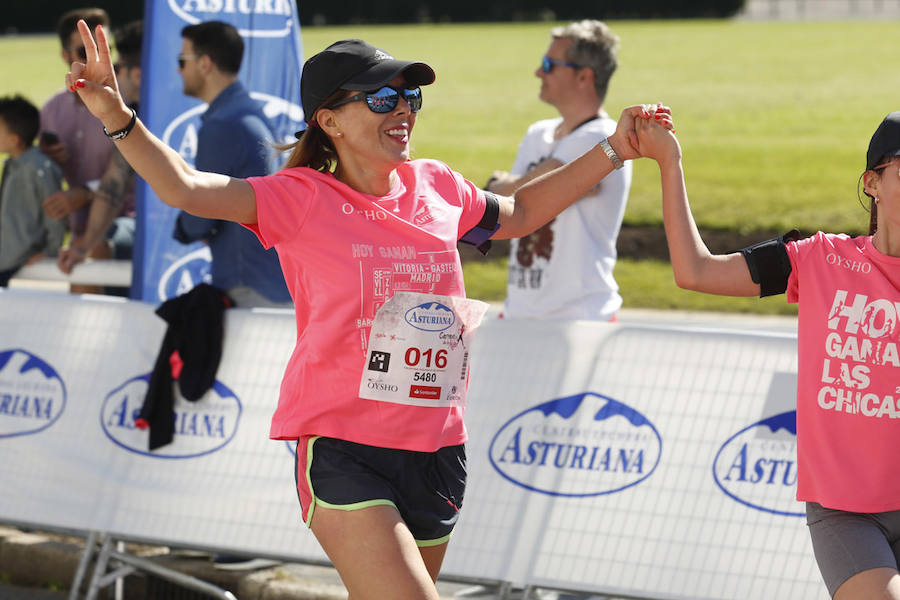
95, 82
625, 140
656, 141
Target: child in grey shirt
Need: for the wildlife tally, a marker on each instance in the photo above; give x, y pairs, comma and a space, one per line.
29, 177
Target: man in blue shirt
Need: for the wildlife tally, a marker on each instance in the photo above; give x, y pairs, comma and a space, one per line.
235, 138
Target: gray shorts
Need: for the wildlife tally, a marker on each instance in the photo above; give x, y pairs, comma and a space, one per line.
847, 543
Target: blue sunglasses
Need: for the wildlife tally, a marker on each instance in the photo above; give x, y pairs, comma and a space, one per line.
386, 99
548, 63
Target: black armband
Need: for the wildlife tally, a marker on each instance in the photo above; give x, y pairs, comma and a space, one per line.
769, 264
480, 235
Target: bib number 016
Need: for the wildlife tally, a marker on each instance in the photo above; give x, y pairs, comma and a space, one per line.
426, 358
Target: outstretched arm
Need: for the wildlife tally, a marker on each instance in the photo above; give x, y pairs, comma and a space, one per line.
544, 197
174, 181
694, 266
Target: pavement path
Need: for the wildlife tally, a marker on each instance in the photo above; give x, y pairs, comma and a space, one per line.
19, 592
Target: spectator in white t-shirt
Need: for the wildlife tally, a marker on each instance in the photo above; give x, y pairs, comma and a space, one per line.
565, 268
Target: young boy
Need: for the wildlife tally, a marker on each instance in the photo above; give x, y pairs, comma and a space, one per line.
26, 233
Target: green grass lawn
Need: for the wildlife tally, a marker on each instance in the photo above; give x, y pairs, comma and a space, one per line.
774, 118
643, 284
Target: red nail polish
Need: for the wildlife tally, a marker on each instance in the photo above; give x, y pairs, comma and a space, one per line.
79, 84
71, 88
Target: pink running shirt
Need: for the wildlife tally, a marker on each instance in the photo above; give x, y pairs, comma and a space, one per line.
848, 414
344, 253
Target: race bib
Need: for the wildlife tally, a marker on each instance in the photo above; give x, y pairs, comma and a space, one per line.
419, 350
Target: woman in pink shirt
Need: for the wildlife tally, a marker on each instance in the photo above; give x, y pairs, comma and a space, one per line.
374, 390
848, 398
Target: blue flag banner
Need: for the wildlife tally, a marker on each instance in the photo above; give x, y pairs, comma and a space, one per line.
273, 58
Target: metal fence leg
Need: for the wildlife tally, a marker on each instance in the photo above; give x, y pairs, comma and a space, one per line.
120, 582
181, 579
101, 578
99, 568
89, 547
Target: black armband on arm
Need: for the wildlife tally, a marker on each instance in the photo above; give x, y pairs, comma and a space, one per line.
480, 235
769, 264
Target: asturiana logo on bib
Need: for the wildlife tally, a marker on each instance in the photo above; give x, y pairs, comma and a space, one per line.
757, 466
430, 316
271, 18
581, 445
201, 427
32, 394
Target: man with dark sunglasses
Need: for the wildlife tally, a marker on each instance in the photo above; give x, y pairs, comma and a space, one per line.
564, 269
235, 139
70, 135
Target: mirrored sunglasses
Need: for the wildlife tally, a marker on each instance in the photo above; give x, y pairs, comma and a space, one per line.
386, 99
548, 63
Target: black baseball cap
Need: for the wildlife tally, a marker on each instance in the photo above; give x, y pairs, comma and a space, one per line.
354, 65
885, 141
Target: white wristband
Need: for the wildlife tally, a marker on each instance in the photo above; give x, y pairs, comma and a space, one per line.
613, 157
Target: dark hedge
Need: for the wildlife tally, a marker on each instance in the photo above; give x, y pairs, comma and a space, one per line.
41, 15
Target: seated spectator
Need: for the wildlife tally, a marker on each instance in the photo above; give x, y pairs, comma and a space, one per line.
77, 142
29, 176
110, 225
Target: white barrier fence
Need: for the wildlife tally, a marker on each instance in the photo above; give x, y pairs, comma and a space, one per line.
647, 461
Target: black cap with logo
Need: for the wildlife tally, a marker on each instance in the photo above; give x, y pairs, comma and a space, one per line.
885, 142
354, 65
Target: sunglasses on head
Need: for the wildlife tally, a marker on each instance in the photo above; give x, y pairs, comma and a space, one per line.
548, 63
386, 99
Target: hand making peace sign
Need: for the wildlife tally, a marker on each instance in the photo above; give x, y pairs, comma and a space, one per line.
95, 81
